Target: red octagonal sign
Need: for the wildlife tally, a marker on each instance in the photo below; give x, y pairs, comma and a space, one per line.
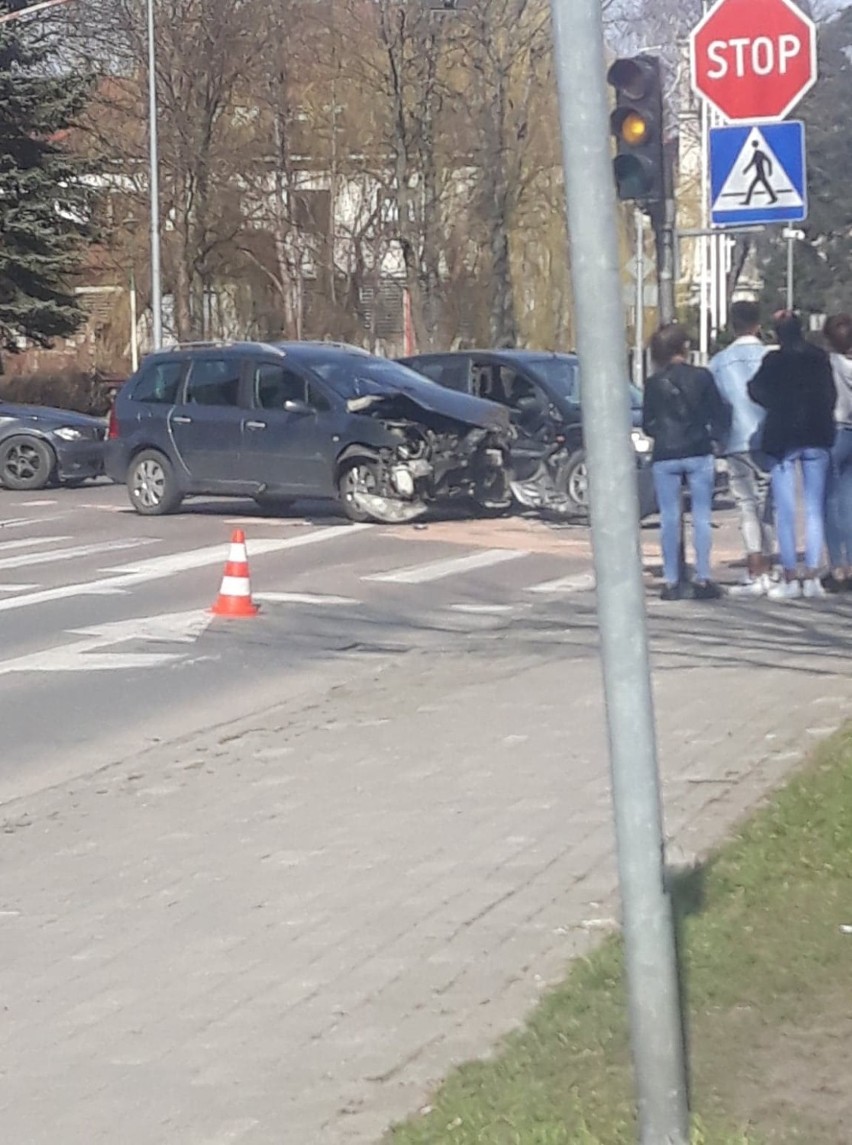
753, 60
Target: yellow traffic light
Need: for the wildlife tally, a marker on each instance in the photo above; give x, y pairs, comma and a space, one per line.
637, 123
635, 129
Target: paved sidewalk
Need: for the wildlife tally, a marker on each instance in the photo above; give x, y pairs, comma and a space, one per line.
285, 931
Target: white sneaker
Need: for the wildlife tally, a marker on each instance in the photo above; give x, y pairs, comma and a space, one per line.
785, 590
757, 586
812, 589
754, 586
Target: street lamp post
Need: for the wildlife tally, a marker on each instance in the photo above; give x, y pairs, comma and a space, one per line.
154, 188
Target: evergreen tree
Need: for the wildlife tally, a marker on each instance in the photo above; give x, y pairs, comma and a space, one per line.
823, 262
45, 206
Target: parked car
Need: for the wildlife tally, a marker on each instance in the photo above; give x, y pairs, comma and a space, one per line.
542, 392
41, 446
302, 420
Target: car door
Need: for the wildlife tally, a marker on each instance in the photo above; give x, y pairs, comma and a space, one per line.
206, 427
288, 432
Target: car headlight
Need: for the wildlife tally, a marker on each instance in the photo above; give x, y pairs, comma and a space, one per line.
641, 443
68, 433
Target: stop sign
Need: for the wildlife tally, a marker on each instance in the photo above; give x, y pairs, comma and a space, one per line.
753, 60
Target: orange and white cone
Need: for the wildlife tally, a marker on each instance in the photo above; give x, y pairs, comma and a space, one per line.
235, 594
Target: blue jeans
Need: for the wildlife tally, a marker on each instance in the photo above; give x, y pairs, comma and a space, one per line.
838, 502
814, 465
700, 474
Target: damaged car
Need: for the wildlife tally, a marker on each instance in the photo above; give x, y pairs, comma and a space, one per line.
541, 391
304, 420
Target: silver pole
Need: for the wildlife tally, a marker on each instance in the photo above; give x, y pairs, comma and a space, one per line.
639, 324
154, 188
791, 250
654, 1003
134, 324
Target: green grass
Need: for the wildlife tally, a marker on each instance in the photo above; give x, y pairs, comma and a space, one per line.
762, 955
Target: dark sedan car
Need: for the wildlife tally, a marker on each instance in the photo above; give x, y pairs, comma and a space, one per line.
303, 420
40, 446
542, 393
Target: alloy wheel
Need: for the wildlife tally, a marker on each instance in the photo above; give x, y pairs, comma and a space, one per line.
149, 483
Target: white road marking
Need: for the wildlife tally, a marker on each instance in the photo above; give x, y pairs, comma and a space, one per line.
484, 609
33, 504
86, 655
31, 542
157, 568
68, 554
450, 566
19, 522
17, 587
301, 598
580, 582
173, 628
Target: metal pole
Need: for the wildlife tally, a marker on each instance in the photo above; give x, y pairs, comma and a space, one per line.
703, 259
134, 321
655, 1019
725, 261
154, 188
790, 269
639, 324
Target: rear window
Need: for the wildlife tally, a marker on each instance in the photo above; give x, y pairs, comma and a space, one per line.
158, 383
454, 373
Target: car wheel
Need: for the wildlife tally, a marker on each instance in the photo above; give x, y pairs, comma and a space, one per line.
26, 463
152, 485
575, 481
355, 478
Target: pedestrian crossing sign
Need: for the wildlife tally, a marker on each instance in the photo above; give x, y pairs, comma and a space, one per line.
758, 174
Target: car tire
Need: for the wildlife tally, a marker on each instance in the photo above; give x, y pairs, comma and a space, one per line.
574, 482
73, 482
26, 463
152, 485
354, 474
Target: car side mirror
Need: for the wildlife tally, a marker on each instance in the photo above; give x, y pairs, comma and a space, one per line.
297, 407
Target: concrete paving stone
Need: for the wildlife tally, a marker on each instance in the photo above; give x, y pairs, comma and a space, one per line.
331, 951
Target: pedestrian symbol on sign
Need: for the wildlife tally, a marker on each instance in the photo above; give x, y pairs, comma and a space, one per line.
763, 168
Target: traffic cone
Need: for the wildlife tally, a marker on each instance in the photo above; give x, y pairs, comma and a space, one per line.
235, 594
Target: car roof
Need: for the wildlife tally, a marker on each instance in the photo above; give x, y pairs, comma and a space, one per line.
496, 355
280, 349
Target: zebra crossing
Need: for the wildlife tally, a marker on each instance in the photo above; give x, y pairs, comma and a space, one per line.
37, 566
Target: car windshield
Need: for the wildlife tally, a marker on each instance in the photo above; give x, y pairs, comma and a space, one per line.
561, 373
355, 376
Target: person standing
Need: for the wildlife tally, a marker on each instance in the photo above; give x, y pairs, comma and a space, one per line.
686, 417
748, 466
838, 502
796, 388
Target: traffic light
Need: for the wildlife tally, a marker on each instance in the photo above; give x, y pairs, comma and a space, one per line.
637, 124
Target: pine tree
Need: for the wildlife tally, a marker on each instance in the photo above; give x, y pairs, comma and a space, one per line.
45, 205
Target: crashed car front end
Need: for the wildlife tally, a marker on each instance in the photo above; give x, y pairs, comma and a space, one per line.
421, 457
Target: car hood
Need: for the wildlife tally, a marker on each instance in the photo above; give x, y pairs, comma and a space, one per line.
48, 418
433, 399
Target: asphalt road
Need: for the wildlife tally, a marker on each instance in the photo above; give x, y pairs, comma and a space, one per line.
108, 645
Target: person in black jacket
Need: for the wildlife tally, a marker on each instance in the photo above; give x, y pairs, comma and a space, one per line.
687, 418
795, 386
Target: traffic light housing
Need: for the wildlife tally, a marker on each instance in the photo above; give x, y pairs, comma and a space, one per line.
637, 124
